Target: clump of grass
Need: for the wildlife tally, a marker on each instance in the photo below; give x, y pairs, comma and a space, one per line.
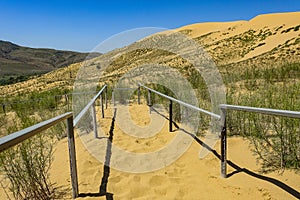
26, 166
276, 139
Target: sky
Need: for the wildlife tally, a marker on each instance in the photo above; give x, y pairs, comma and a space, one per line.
80, 25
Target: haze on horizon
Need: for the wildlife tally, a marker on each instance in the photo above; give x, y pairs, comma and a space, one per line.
81, 25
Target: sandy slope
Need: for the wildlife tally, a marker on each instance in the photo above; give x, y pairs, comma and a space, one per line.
187, 178
223, 30
258, 22
204, 28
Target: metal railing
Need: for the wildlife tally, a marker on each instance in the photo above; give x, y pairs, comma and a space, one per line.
219, 117
266, 111
92, 105
19, 136
222, 118
177, 101
4, 105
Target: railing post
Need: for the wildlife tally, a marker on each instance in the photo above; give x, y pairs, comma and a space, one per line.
223, 144
102, 105
67, 100
72, 157
94, 116
139, 94
106, 97
149, 98
3, 107
170, 116
113, 98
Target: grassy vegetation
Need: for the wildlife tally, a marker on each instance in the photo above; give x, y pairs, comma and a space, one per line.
26, 166
13, 79
276, 139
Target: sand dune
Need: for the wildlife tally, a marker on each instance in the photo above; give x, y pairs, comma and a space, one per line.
277, 23
187, 178
209, 27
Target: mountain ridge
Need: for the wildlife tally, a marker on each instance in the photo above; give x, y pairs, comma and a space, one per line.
16, 60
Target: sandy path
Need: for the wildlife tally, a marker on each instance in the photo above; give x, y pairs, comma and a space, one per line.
187, 178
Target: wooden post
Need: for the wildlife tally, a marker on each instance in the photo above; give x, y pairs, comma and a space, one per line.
223, 144
170, 116
94, 116
72, 157
102, 105
139, 94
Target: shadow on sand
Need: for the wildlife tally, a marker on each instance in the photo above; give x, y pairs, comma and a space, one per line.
106, 167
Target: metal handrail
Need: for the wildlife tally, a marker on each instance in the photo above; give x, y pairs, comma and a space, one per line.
38, 99
19, 136
267, 111
222, 118
219, 117
182, 103
86, 108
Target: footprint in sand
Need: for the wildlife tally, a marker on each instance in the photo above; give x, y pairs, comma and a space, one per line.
136, 178
157, 180
114, 180
161, 191
180, 165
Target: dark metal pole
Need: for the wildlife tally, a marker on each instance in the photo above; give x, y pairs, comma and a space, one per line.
223, 144
94, 116
170, 116
3, 107
149, 101
67, 101
72, 157
139, 94
106, 97
102, 105
149, 98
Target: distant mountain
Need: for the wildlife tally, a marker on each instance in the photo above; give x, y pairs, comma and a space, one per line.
17, 60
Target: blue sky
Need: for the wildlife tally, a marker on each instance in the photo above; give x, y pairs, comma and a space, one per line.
80, 25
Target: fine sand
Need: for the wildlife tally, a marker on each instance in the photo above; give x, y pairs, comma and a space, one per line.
187, 178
